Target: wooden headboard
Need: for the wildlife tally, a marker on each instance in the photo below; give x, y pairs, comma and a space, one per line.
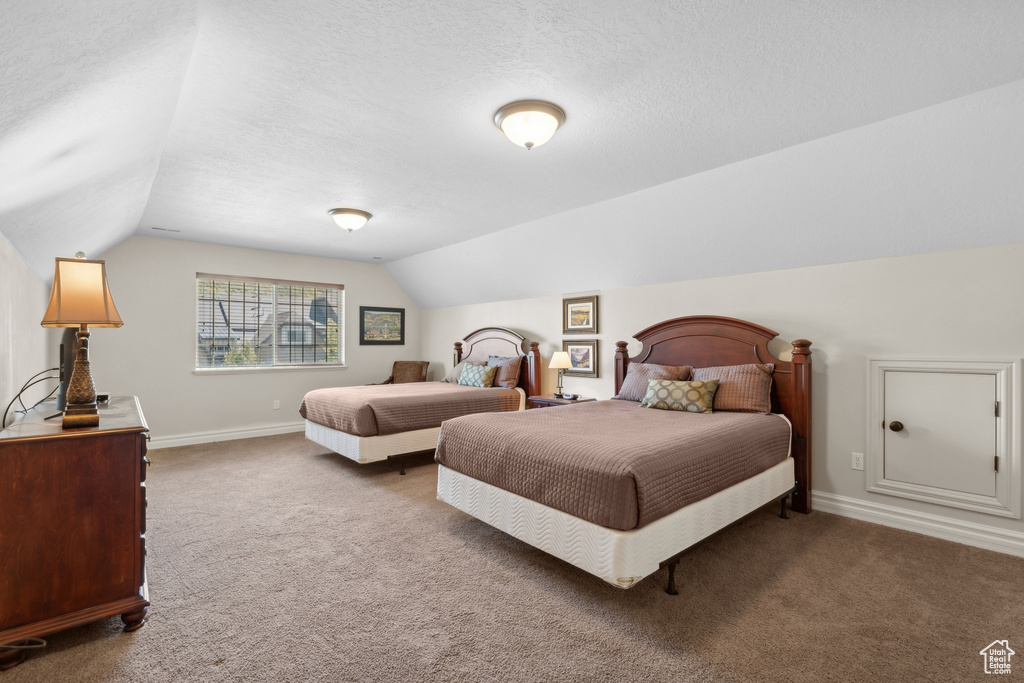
702, 341
499, 341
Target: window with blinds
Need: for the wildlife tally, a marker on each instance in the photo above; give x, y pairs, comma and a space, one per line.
257, 322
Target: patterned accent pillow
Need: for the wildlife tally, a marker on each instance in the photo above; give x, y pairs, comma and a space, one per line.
690, 397
508, 370
634, 386
478, 375
455, 373
742, 388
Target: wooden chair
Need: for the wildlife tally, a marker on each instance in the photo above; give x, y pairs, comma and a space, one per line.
407, 371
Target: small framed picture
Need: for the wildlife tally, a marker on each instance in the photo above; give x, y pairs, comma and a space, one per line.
582, 355
579, 315
379, 325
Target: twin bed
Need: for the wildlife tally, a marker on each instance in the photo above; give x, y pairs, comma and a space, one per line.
620, 490
377, 422
612, 487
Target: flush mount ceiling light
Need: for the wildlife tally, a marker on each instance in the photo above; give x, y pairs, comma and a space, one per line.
529, 123
350, 219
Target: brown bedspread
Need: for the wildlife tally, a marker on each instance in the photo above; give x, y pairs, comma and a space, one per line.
613, 463
381, 409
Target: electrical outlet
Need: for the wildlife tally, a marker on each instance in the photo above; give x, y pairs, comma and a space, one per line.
277, 404
858, 461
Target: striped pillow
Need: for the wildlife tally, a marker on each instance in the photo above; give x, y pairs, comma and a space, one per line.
690, 397
741, 388
638, 375
478, 375
508, 370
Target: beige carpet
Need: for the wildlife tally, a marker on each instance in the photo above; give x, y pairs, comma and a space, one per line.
274, 560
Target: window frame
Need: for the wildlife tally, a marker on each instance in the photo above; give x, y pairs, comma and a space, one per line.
275, 346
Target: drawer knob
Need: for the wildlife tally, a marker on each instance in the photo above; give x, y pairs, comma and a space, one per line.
896, 426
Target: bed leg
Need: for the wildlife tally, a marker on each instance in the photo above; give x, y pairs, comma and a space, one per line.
671, 588
789, 494
400, 459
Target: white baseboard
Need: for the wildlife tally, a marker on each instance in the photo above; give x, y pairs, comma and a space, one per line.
969, 533
224, 435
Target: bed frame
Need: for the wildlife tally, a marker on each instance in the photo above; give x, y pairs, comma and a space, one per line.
501, 341
623, 558
481, 344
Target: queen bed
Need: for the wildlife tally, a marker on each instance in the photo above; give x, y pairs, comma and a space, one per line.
619, 489
377, 422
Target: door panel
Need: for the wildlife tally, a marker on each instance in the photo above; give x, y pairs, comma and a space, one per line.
948, 438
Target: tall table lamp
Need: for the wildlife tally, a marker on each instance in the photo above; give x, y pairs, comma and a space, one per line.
561, 361
81, 298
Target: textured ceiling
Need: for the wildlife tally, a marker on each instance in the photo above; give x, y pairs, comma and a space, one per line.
242, 122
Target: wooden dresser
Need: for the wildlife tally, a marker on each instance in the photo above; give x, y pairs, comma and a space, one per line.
72, 523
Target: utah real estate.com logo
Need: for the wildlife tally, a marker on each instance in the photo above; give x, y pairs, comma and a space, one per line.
997, 657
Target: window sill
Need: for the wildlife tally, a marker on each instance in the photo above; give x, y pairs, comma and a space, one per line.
273, 368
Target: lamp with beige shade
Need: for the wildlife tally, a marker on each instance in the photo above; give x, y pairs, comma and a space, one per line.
80, 298
561, 361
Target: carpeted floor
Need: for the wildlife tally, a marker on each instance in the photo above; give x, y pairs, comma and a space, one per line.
275, 560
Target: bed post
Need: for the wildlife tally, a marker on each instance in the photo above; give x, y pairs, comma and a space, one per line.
802, 424
458, 353
533, 370
621, 363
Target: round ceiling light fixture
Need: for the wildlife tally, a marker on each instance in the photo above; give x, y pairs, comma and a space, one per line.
350, 219
529, 123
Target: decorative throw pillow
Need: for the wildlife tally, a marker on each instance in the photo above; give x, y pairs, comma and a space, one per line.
508, 370
742, 388
690, 397
478, 375
453, 375
634, 386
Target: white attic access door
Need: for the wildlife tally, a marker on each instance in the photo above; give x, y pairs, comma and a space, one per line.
945, 432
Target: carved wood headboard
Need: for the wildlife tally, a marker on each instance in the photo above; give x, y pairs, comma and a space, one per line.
500, 341
706, 341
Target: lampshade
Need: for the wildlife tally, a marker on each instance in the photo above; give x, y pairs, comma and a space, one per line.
529, 123
560, 360
350, 219
80, 296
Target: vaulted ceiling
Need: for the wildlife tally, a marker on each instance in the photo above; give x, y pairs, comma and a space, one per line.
242, 122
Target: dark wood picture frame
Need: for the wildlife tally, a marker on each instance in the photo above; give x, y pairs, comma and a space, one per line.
576, 356
585, 310
369, 335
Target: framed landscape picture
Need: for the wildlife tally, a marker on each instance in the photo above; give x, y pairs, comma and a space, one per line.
579, 314
379, 325
582, 355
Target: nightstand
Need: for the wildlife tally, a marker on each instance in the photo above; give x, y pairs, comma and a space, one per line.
549, 401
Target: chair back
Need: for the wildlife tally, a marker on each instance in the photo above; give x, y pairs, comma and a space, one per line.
409, 371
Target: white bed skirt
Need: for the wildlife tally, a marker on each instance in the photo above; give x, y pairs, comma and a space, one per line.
621, 558
365, 449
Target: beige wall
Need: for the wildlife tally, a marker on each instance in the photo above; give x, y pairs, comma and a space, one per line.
153, 355
962, 304
23, 343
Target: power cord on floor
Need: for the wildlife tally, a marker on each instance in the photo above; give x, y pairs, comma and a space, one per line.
25, 644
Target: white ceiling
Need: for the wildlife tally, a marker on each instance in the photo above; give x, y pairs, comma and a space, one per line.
242, 122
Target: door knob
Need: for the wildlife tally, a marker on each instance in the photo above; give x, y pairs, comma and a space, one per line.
896, 426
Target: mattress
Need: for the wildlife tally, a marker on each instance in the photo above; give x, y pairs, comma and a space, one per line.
613, 463
383, 409
621, 558
364, 449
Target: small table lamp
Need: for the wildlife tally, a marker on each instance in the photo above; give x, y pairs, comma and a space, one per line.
80, 298
560, 360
